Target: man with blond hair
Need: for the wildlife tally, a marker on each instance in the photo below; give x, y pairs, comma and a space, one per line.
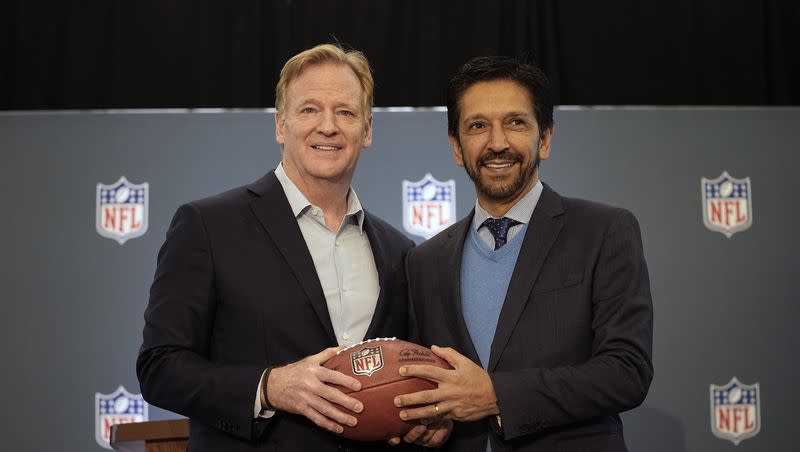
257, 286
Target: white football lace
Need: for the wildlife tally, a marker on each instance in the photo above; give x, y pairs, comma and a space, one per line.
366, 341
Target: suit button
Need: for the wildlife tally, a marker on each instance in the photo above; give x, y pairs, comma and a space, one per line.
525, 428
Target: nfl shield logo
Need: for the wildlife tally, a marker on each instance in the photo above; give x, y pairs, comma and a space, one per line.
122, 210
119, 407
727, 207
367, 361
429, 206
735, 411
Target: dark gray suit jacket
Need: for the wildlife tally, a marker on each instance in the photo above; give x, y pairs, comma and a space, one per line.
235, 291
574, 339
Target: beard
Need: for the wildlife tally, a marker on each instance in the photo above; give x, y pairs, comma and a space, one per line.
498, 191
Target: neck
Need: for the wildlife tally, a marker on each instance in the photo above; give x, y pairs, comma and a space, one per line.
328, 195
499, 208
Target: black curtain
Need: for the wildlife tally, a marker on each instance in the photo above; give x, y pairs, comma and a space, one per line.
203, 53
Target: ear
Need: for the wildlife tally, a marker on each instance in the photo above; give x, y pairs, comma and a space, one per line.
544, 144
368, 135
279, 124
455, 146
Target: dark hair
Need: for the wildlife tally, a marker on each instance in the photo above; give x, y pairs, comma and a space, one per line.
486, 68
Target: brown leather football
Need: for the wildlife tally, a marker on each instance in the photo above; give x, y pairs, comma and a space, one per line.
375, 363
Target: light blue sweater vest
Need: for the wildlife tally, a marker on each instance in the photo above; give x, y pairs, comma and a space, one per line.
485, 275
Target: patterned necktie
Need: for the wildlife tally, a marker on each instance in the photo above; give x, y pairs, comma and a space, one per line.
499, 229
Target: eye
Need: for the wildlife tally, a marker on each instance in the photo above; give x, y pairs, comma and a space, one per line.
307, 110
518, 122
476, 126
346, 113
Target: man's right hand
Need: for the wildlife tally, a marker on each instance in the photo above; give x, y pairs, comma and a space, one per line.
301, 388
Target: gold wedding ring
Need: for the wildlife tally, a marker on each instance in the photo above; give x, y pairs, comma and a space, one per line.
436, 408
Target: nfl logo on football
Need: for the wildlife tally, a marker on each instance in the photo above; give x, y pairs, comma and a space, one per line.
735, 411
122, 210
727, 206
429, 206
367, 361
119, 407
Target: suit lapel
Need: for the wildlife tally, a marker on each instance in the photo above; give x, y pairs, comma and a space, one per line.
543, 229
450, 283
273, 211
379, 255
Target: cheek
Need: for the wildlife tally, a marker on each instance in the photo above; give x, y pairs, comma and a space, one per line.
472, 148
525, 147
474, 155
300, 126
357, 134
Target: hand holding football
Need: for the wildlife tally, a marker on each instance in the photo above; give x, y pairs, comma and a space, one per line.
375, 363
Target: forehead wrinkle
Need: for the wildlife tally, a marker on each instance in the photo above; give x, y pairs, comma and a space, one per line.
321, 100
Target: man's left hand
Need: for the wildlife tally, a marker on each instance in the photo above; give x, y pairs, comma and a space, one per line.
465, 393
431, 433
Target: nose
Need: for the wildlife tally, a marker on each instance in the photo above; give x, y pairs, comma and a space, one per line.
327, 123
497, 140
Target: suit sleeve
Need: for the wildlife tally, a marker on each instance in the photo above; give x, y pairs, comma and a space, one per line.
617, 376
173, 366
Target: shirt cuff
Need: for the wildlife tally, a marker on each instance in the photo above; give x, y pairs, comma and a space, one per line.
258, 410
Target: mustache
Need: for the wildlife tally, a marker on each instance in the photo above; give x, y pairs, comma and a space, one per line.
506, 155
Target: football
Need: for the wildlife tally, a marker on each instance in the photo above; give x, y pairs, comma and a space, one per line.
375, 363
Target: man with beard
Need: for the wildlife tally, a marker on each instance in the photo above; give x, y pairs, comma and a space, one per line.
541, 303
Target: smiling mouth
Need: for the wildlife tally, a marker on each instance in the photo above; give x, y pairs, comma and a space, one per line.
498, 165
323, 147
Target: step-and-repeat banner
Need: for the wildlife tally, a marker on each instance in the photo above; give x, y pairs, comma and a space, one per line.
87, 197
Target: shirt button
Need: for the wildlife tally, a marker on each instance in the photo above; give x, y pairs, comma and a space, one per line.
345, 336
314, 212
344, 288
337, 243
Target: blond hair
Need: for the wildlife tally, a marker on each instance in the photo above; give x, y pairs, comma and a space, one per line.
327, 53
